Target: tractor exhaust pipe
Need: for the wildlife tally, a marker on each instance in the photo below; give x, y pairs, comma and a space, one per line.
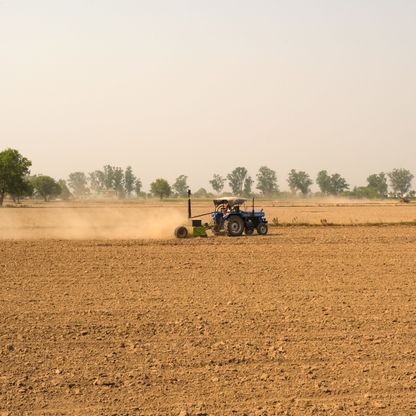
189, 204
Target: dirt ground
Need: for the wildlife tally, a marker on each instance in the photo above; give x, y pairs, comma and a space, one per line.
304, 321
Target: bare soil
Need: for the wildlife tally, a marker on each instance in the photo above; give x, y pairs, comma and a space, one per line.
304, 321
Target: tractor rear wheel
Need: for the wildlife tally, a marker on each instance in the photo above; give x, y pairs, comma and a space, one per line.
262, 229
181, 232
234, 226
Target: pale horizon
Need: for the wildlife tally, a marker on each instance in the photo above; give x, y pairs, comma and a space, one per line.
195, 88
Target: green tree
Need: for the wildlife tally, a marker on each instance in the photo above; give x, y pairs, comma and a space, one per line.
13, 171
129, 180
108, 177
364, 192
217, 182
65, 192
377, 184
236, 179
338, 184
180, 187
118, 182
248, 182
138, 187
299, 181
78, 183
267, 181
45, 186
161, 188
25, 189
400, 181
324, 182
331, 185
97, 181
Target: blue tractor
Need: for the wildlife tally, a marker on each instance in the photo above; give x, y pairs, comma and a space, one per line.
228, 218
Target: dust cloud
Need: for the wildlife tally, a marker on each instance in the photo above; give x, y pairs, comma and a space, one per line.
89, 223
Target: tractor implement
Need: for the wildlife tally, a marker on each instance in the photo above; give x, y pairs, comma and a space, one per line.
196, 227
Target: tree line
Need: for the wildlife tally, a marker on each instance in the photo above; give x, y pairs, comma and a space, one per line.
16, 181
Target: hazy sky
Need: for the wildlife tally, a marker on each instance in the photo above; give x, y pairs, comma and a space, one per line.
196, 87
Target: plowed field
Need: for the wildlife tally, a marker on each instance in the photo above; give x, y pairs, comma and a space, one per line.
305, 321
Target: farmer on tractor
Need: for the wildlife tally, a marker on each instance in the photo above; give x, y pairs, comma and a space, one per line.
228, 218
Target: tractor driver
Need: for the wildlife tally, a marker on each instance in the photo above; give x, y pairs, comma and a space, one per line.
226, 209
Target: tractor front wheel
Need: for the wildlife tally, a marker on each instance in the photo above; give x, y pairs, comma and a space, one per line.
262, 229
234, 226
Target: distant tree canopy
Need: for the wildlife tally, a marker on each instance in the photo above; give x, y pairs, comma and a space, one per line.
299, 181
400, 181
331, 184
236, 180
108, 177
118, 182
217, 182
138, 187
45, 186
23, 190
112, 180
180, 187
202, 193
160, 188
363, 192
129, 180
267, 181
115, 180
14, 169
323, 180
65, 192
377, 185
248, 183
78, 183
97, 181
